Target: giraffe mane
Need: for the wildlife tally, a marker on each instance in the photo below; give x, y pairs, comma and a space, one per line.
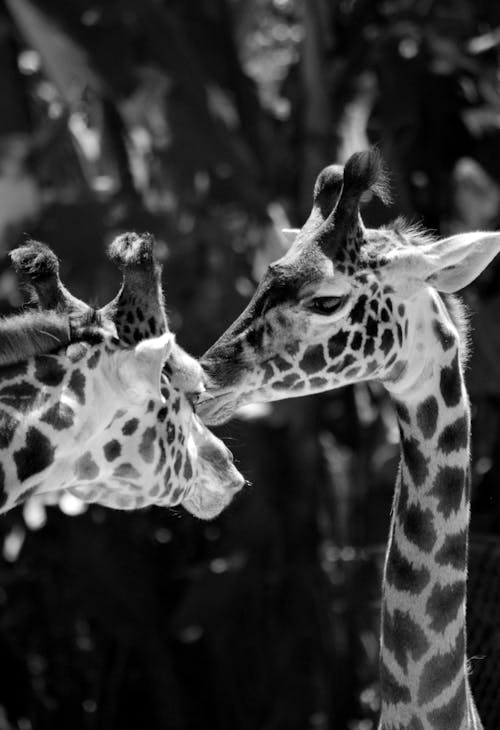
40, 332
410, 233
413, 233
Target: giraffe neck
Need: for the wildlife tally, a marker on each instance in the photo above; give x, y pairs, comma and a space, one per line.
424, 682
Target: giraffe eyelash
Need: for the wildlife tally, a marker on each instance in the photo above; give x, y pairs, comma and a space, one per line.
327, 305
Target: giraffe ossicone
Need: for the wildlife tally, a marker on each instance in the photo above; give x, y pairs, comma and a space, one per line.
101, 403
347, 304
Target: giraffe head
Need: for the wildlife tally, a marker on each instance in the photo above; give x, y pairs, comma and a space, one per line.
346, 303
144, 442
102, 418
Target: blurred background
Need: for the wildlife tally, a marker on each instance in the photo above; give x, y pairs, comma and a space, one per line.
206, 123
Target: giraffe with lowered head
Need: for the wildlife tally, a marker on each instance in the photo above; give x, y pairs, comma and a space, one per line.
101, 403
347, 304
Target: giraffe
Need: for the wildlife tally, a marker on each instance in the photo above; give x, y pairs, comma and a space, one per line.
347, 304
90, 413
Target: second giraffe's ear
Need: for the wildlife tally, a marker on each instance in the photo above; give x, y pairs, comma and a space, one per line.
448, 265
140, 368
185, 373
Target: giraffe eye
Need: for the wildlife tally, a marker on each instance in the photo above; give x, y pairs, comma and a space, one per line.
327, 305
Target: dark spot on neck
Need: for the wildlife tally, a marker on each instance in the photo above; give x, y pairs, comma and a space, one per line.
392, 692
440, 671
449, 486
414, 460
455, 436
35, 456
427, 414
403, 637
453, 551
451, 714
418, 527
451, 383
403, 575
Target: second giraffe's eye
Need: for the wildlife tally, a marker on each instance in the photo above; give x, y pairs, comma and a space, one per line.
327, 305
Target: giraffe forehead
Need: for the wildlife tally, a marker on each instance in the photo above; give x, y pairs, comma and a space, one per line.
304, 269
358, 259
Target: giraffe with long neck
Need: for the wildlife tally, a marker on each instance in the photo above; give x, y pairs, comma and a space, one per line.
424, 678
85, 411
348, 304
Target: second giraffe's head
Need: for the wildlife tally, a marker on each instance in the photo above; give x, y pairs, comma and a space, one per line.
107, 397
346, 303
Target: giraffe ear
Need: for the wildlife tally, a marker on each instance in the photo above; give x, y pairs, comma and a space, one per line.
448, 265
461, 259
140, 369
184, 371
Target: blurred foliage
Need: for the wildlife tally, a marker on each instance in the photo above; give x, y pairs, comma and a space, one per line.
206, 122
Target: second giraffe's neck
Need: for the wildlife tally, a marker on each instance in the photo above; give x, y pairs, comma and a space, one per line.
424, 682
